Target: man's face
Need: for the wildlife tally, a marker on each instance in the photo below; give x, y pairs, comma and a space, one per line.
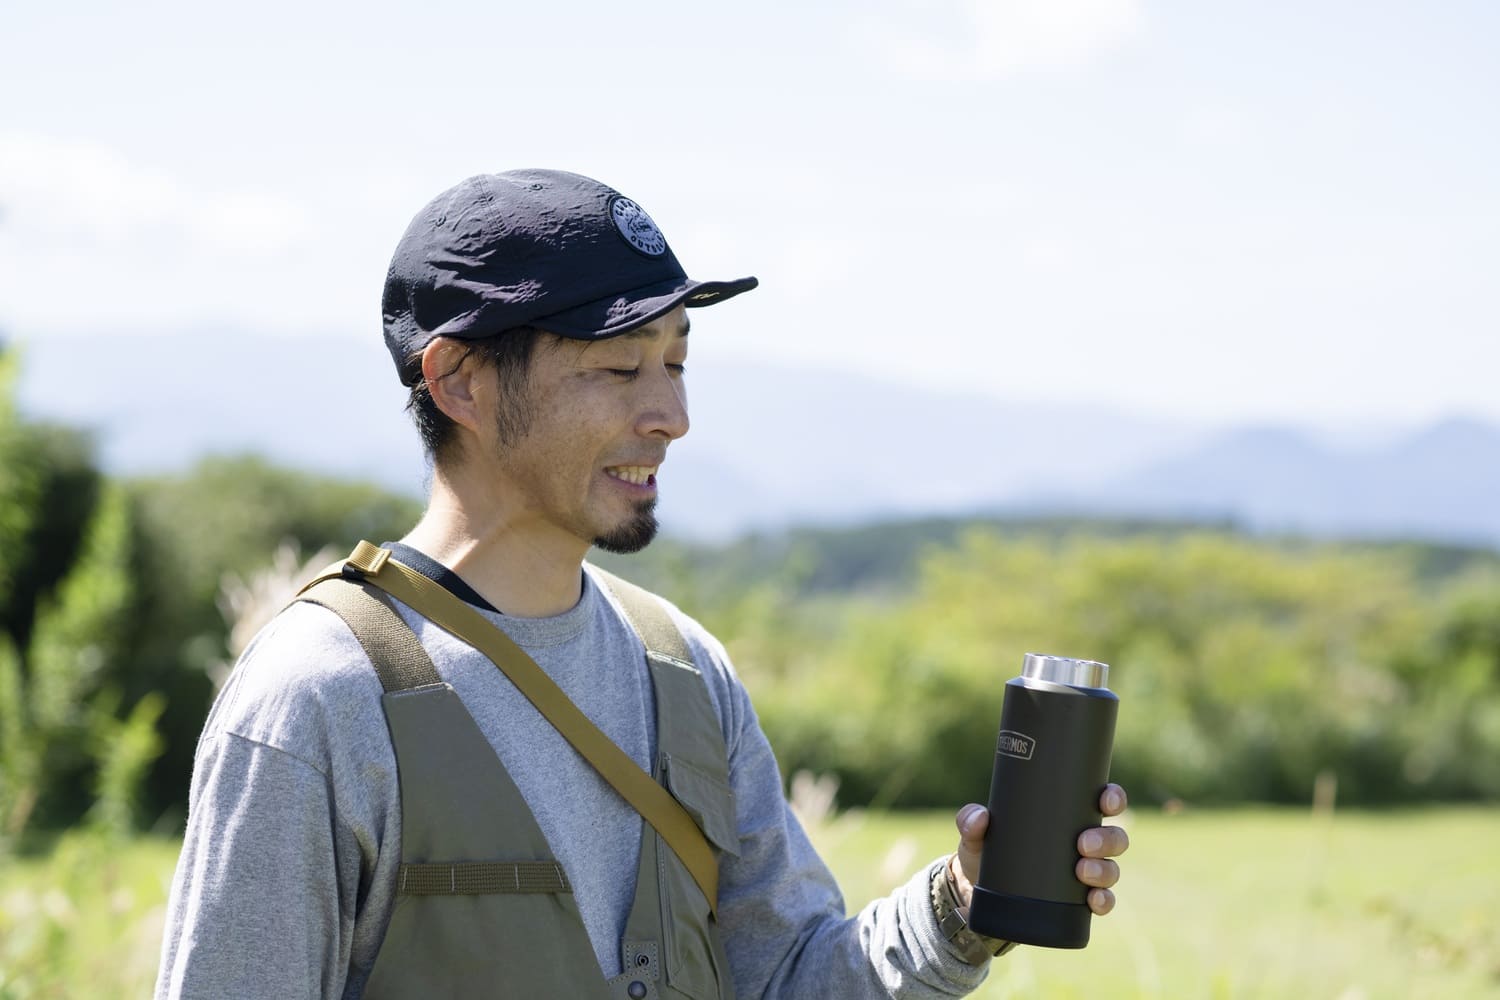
598, 416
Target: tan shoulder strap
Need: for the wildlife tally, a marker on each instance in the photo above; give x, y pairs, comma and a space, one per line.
656, 805
649, 617
399, 659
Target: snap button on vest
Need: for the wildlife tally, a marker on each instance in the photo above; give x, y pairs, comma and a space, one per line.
637, 989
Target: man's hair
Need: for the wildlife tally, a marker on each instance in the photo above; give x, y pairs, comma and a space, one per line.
510, 353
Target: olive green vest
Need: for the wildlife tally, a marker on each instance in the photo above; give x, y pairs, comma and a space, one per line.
483, 908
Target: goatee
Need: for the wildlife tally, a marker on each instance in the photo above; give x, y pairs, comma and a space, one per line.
633, 535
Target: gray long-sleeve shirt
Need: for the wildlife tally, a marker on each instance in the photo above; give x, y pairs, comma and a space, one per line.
287, 876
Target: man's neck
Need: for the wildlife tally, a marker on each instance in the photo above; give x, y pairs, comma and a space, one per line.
523, 571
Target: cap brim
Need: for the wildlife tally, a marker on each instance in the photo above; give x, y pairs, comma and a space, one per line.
618, 314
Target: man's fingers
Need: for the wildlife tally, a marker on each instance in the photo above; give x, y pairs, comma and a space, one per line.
1097, 872
1103, 842
1112, 800
1101, 901
972, 822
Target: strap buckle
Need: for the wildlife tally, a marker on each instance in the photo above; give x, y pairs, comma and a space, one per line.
365, 561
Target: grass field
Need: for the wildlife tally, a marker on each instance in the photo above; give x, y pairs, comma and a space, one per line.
1229, 904
85, 919
1252, 903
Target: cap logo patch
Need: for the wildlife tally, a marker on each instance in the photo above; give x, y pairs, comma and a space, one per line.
637, 228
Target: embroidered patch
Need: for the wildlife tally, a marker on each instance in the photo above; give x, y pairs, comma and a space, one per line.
637, 228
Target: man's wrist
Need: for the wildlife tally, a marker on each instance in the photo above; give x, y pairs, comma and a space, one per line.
953, 922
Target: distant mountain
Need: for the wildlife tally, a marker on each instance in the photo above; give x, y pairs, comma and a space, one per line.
1442, 482
772, 447
768, 446
819, 446
159, 402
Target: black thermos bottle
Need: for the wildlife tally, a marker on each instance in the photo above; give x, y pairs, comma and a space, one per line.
1057, 728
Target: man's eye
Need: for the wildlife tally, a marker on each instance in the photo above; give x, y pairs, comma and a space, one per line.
677, 369
625, 373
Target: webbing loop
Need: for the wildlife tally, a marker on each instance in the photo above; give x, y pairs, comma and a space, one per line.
474, 878
366, 559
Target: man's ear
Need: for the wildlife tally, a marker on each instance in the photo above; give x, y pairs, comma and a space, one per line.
456, 381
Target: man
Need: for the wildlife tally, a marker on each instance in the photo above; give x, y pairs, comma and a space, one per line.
349, 841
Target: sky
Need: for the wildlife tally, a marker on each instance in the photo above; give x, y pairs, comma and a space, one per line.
1220, 213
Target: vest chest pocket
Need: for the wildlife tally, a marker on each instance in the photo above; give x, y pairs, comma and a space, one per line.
695, 963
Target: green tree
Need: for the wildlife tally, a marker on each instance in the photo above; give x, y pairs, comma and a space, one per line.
80, 640
65, 611
225, 517
49, 486
109, 614
20, 486
1245, 668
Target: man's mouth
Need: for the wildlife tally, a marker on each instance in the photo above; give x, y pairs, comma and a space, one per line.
638, 475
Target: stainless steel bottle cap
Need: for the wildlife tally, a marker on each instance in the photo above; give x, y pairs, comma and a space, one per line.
1063, 670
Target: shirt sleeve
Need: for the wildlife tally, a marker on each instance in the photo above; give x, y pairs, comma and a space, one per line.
782, 915
262, 901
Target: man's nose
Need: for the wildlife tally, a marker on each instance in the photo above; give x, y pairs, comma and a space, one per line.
664, 412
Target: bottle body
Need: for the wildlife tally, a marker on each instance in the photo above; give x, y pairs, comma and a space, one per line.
1051, 764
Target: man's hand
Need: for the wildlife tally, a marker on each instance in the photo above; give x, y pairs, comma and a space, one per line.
1096, 846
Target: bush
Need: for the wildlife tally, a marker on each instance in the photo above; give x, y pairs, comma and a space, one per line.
1244, 670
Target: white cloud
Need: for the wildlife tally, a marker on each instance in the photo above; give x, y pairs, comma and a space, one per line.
92, 238
990, 39
57, 191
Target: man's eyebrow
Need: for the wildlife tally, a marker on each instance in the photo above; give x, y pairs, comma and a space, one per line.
651, 332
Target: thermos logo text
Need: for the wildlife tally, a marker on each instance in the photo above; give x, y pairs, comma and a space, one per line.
1014, 744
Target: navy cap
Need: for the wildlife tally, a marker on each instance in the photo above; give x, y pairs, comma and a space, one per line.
541, 248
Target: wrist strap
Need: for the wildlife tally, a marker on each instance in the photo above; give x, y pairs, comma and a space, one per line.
972, 946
